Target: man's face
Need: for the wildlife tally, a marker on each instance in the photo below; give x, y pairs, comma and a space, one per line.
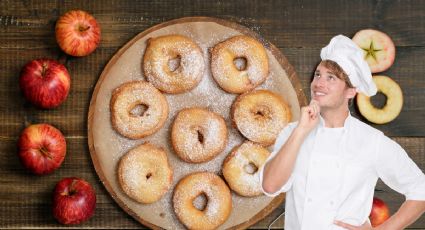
328, 90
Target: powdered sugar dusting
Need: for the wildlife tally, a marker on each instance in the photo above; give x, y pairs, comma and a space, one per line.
156, 63
217, 195
227, 75
136, 93
198, 134
110, 146
243, 182
260, 116
144, 173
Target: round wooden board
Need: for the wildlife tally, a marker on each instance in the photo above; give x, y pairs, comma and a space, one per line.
99, 107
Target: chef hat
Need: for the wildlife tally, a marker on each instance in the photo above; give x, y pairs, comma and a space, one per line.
349, 57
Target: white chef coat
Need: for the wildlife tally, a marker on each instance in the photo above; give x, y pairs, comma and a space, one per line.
336, 171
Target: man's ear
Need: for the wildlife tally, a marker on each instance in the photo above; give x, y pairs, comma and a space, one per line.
350, 93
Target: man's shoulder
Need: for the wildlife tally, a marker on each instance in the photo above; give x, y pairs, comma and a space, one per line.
360, 126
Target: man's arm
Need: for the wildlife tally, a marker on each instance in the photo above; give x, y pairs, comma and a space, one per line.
407, 214
278, 170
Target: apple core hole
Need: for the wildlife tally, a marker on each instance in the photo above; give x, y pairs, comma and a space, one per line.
200, 202
250, 168
83, 28
174, 63
139, 110
240, 63
149, 175
261, 112
379, 100
200, 136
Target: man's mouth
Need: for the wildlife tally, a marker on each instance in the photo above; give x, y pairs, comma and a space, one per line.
318, 93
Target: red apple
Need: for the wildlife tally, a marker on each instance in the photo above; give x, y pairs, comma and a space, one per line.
379, 49
42, 148
74, 201
45, 83
77, 33
380, 212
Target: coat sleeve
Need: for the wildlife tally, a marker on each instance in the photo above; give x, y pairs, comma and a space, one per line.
398, 171
281, 139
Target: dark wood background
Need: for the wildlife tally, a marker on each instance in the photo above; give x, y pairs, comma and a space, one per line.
298, 28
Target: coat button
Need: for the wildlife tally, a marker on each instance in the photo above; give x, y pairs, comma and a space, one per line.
331, 203
309, 200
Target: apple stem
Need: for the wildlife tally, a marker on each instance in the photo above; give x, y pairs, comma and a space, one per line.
83, 28
72, 190
44, 69
45, 152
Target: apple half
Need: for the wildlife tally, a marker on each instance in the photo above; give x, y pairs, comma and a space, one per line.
379, 49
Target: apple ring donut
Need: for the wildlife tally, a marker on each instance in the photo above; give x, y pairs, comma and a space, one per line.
393, 105
126, 102
240, 168
260, 115
173, 63
144, 173
198, 135
228, 75
218, 201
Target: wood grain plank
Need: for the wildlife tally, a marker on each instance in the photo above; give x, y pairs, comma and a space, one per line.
309, 22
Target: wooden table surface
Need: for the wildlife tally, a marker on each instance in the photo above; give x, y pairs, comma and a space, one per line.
298, 28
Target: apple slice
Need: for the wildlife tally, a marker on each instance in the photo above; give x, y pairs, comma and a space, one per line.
379, 49
77, 33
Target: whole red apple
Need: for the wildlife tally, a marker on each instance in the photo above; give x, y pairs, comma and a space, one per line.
379, 213
77, 33
74, 201
42, 148
45, 83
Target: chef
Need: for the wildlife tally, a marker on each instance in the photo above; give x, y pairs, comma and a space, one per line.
328, 162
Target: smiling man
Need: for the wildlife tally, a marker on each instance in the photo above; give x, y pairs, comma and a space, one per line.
328, 162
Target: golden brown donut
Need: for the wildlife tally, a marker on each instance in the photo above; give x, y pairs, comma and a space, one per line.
225, 72
144, 173
260, 115
198, 135
393, 106
219, 201
126, 98
240, 168
161, 51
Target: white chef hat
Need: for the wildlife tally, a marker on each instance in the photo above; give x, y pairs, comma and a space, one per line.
349, 57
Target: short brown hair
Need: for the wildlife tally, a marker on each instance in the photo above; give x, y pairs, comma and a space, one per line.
337, 70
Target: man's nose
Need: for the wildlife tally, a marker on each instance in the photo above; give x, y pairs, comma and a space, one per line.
320, 82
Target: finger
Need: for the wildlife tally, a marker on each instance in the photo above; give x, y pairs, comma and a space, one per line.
315, 106
311, 112
345, 225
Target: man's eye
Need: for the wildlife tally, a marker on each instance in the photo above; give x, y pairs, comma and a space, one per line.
331, 78
316, 75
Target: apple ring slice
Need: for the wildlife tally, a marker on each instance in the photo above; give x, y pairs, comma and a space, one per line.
393, 105
379, 49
